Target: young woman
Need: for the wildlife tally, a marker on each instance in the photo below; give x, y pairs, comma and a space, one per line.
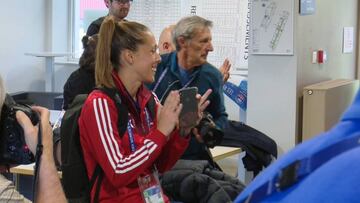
126, 59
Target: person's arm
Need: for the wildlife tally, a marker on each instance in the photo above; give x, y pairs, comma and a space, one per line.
177, 144
100, 138
172, 151
49, 188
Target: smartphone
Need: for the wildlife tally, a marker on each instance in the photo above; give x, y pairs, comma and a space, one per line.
188, 114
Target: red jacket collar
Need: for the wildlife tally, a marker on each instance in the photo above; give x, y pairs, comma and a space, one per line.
143, 94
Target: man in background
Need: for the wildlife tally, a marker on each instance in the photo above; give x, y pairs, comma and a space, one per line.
119, 9
188, 67
166, 45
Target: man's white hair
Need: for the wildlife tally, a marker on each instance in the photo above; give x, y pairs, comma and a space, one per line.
187, 28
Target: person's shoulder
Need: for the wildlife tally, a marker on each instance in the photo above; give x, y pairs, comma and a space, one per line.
94, 27
208, 67
166, 58
73, 79
98, 21
165, 61
211, 72
98, 97
334, 177
80, 78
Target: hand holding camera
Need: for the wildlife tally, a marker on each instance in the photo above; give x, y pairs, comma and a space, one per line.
19, 132
13, 149
31, 131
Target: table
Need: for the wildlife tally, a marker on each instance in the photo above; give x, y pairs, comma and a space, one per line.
49, 64
220, 152
24, 170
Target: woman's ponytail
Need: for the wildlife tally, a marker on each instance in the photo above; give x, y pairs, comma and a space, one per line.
103, 66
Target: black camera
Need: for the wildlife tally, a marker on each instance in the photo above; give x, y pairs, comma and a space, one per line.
13, 148
209, 132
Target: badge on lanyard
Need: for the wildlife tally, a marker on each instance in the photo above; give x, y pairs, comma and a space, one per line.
150, 187
149, 184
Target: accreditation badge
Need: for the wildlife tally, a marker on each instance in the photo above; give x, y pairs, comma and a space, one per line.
150, 188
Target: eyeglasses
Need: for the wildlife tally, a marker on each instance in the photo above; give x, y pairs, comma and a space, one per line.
122, 1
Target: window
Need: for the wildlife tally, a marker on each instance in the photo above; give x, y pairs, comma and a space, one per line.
230, 31
84, 12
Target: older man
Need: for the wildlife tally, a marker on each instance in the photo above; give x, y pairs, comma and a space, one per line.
188, 67
166, 45
119, 9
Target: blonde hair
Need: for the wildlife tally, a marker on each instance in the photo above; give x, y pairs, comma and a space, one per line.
114, 37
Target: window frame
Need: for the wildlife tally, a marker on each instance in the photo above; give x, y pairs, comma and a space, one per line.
74, 39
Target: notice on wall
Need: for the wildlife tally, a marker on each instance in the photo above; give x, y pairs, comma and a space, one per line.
307, 7
272, 31
348, 40
230, 32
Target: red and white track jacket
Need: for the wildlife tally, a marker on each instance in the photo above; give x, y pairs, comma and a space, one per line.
102, 145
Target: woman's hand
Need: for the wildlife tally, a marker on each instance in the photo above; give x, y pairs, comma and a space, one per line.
168, 114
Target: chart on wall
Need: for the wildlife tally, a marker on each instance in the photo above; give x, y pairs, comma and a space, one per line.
230, 30
272, 31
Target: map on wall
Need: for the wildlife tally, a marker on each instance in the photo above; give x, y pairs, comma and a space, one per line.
272, 31
230, 31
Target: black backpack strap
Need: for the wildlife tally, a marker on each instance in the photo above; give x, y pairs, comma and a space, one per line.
114, 95
99, 175
122, 110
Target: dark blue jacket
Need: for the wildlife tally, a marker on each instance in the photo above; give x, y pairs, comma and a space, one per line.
337, 180
205, 76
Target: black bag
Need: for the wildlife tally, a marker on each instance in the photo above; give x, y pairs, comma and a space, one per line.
76, 185
260, 148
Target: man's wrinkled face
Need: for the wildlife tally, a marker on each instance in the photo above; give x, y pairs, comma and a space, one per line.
199, 46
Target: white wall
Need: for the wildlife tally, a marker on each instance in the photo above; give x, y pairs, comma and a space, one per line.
272, 98
275, 82
22, 30
324, 30
33, 26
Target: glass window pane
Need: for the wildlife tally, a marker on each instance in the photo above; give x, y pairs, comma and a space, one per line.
85, 11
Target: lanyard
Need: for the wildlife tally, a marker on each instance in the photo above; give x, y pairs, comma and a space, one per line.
130, 128
163, 75
299, 169
188, 83
160, 79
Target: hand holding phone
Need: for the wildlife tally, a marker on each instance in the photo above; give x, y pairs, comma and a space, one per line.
189, 113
